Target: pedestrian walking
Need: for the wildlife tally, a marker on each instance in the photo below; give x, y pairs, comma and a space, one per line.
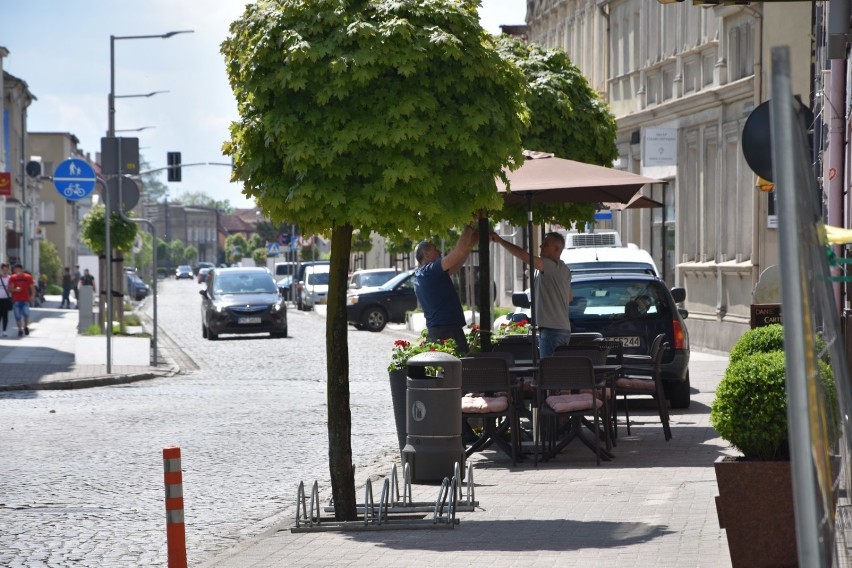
67, 284
552, 290
5, 299
435, 291
23, 290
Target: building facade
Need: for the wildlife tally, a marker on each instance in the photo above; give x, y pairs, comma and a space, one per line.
59, 218
681, 81
20, 200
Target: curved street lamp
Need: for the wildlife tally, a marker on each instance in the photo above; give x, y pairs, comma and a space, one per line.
140, 129
112, 96
146, 95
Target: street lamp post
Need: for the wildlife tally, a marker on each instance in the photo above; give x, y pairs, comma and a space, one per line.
140, 129
112, 95
118, 174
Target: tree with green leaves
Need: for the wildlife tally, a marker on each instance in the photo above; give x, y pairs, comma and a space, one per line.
236, 247
49, 263
122, 233
258, 255
177, 251
190, 254
377, 114
201, 199
567, 118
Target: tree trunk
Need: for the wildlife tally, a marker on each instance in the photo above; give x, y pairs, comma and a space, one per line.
337, 353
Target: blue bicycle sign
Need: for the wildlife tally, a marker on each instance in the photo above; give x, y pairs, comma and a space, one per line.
74, 179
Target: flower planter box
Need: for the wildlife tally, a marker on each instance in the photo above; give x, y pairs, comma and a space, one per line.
755, 507
91, 350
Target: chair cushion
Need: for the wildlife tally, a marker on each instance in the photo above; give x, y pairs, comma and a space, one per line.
644, 385
605, 392
473, 403
572, 402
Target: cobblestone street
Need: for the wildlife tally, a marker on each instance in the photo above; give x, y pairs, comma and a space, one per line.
82, 477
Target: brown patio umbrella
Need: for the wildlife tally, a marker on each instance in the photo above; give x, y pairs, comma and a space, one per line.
548, 179
638, 201
545, 178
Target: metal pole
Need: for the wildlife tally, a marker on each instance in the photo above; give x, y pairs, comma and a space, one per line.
789, 174
154, 252
111, 99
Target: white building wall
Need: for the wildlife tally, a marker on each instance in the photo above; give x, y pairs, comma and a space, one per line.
701, 72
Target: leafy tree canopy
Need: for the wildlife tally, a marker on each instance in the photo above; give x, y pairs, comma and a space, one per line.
201, 199
567, 117
93, 231
375, 113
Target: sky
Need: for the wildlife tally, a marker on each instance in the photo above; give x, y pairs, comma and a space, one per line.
61, 49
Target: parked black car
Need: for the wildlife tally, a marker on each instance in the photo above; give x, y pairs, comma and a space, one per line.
136, 287
373, 308
633, 309
242, 300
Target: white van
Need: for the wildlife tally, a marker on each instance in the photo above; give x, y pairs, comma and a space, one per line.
602, 252
602, 259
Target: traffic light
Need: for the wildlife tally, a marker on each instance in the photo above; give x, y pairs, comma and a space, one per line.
173, 161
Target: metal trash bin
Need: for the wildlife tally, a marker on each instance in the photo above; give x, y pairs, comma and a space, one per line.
433, 418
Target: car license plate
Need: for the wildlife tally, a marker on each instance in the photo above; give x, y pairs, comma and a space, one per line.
248, 320
627, 341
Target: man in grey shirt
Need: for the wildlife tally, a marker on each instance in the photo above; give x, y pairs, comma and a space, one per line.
552, 290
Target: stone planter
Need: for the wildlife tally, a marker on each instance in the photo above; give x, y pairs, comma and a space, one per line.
134, 351
755, 507
398, 387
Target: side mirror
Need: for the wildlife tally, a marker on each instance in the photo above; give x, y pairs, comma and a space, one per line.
678, 295
683, 313
203, 292
520, 300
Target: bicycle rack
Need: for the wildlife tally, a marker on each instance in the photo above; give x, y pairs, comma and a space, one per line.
402, 502
381, 517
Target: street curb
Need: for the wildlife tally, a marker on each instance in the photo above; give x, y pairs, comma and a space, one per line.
89, 382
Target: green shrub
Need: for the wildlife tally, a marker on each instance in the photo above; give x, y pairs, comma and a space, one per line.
93, 329
132, 319
758, 340
750, 409
54, 289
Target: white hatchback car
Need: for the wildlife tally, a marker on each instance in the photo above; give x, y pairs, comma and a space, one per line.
315, 288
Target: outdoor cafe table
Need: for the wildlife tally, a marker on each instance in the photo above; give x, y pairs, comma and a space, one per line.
605, 377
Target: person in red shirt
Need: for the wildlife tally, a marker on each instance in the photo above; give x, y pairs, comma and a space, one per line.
23, 291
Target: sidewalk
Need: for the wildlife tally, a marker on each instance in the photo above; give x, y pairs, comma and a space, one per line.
44, 359
652, 505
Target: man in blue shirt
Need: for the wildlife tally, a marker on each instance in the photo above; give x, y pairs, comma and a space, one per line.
435, 291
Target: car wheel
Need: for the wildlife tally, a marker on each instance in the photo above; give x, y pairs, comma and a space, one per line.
678, 393
359, 326
375, 318
203, 331
212, 336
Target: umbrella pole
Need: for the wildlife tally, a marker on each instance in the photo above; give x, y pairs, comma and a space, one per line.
532, 279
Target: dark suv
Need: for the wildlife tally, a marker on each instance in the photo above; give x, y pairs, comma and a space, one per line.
373, 308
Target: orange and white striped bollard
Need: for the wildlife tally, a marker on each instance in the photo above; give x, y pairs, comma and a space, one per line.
175, 530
